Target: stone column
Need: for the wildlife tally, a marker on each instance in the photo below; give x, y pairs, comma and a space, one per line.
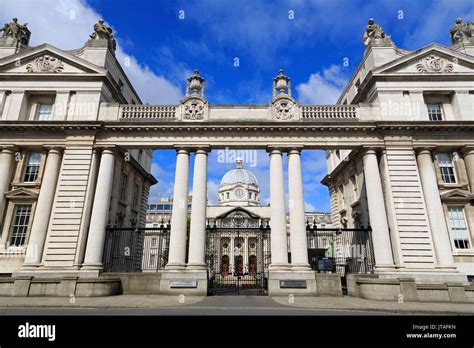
298, 240
468, 155
278, 237
100, 211
197, 234
39, 228
377, 212
7, 156
436, 217
179, 215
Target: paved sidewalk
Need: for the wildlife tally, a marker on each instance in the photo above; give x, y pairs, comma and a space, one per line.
121, 301
354, 303
344, 304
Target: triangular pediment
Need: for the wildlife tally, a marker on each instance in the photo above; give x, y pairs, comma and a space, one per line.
235, 210
430, 60
47, 59
457, 195
21, 193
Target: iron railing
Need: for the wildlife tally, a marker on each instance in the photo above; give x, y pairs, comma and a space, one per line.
136, 249
340, 250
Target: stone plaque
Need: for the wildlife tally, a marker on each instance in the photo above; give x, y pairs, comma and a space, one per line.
183, 284
293, 284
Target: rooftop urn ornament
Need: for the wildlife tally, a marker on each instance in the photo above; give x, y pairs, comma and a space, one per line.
17, 31
239, 163
281, 84
195, 85
462, 33
194, 106
283, 105
103, 32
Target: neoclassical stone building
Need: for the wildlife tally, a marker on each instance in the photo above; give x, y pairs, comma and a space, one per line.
76, 145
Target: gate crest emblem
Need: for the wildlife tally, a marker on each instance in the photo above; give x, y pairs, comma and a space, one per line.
194, 107
283, 106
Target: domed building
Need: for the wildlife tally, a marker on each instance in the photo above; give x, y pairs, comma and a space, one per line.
239, 188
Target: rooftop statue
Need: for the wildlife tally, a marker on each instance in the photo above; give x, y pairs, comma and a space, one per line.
18, 31
103, 32
372, 31
462, 33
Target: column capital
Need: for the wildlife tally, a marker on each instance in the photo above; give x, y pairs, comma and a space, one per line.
180, 148
54, 148
424, 150
203, 149
467, 150
295, 150
9, 148
370, 150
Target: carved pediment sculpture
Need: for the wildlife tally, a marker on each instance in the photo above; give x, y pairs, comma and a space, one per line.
45, 63
434, 64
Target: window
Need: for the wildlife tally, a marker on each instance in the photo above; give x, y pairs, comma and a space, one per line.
435, 112
32, 167
152, 260
458, 227
123, 187
44, 111
446, 166
227, 195
136, 190
153, 242
325, 243
354, 188
19, 226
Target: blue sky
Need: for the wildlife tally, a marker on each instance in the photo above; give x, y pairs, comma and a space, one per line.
309, 39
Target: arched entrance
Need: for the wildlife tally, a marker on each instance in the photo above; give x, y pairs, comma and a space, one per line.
225, 265
252, 265
238, 254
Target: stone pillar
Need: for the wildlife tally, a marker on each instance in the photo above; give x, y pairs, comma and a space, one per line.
468, 155
279, 246
197, 234
298, 240
39, 228
100, 211
179, 215
436, 217
377, 213
7, 155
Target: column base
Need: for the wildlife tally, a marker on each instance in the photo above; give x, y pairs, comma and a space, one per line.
92, 267
303, 267
384, 268
175, 267
279, 267
186, 282
196, 266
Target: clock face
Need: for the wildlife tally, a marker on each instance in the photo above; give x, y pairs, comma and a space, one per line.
239, 193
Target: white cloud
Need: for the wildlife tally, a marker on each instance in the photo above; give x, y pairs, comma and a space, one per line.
68, 24
212, 192
309, 207
322, 88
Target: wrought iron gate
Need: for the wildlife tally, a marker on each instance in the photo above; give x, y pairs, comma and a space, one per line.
342, 251
238, 260
136, 249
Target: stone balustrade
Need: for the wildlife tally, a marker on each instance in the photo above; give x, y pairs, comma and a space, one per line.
148, 112
311, 112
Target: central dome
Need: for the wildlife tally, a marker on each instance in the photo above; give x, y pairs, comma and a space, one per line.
239, 175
